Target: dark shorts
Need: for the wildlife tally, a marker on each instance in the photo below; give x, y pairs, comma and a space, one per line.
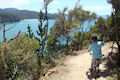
94, 61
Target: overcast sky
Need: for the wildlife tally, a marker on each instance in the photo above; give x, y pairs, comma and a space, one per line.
100, 7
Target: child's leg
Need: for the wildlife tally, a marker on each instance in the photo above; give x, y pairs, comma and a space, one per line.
91, 69
92, 63
91, 66
99, 61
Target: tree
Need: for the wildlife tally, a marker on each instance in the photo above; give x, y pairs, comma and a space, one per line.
76, 41
30, 33
5, 17
4, 38
115, 22
52, 43
81, 16
116, 18
64, 26
100, 28
42, 33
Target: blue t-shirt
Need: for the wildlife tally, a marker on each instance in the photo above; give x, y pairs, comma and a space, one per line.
96, 49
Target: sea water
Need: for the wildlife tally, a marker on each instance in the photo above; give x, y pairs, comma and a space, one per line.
22, 26
33, 23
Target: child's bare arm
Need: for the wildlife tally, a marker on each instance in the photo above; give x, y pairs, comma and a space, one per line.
90, 52
103, 39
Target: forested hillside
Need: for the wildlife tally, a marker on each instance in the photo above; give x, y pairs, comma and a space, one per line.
25, 14
5, 17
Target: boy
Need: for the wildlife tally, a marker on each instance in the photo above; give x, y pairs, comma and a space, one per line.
95, 47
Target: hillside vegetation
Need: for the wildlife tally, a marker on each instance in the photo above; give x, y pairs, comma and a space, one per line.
5, 17
29, 57
14, 15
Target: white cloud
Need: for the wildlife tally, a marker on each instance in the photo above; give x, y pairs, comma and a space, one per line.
97, 8
19, 3
100, 10
53, 2
13, 3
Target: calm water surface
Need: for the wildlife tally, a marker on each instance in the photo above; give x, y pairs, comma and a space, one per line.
23, 24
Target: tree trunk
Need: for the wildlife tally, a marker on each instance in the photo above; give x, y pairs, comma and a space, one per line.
82, 39
43, 42
67, 44
39, 64
77, 47
118, 44
4, 39
116, 30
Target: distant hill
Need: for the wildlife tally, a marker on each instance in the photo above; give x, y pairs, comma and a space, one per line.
25, 14
5, 17
14, 15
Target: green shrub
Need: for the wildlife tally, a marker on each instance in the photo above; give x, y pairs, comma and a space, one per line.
20, 58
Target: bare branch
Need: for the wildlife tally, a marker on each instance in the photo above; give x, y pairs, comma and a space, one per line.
10, 28
15, 36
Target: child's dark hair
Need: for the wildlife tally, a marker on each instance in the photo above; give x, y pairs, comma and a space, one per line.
94, 37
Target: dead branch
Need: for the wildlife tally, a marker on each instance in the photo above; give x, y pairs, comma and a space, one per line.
4, 38
10, 28
15, 36
0, 27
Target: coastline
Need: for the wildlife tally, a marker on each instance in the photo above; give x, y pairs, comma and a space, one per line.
37, 18
29, 19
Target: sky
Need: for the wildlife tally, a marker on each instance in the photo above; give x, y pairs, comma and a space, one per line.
100, 7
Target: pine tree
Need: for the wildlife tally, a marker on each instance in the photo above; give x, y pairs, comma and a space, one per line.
42, 33
30, 33
116, 14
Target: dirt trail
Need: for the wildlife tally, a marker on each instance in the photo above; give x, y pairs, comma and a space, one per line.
75, 67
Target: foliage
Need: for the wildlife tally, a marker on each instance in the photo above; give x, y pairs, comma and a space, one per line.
66, 32
19, 58
81, 16
116, 19
42, 38
64, 27
52, 43
115, 23
3, 65
41, 29
115, 4
76, 41
5, 17
101, 28
30, 33
25, 14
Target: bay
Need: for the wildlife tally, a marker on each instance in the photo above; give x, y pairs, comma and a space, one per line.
33, 23
22, 26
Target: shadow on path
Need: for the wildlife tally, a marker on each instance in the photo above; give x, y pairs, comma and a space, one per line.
108, 72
